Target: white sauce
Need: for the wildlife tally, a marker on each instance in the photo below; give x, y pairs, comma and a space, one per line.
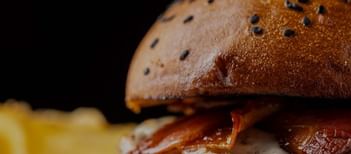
143, 131
254, 141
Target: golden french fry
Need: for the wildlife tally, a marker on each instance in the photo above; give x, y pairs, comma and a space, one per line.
23, 131
12, 135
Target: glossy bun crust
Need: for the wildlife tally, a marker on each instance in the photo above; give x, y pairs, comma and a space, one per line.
211, 48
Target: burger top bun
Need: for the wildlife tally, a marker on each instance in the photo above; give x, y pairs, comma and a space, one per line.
244, 47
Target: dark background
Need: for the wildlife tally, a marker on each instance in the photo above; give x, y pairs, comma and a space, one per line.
67, 54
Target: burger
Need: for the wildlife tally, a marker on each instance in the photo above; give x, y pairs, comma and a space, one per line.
249, 76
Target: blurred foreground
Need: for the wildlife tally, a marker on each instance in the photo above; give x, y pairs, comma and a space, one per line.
83, 131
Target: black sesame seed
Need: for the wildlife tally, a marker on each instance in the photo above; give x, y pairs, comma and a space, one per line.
293, 6
287, 3
188, 19
347, 1
166, 19
147, 71
306, 21
303, 1
190, 1
154, 43
210, 1
288, 33
321, 9
184, 55
257, 30
254, 19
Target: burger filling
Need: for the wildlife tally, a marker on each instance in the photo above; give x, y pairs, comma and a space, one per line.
260, 126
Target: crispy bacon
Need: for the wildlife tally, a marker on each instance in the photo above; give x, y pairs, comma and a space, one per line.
315, 131
215, 131
175, 136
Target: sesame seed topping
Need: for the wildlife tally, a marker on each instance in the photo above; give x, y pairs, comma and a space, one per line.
306, 21
303, 1
184, 55
288, 32
254, 19
257, 30
321, 9
154, 43
188, 19
293, 6
147, 71
210, 1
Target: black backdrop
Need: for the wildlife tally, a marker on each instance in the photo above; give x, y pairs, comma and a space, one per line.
66, 54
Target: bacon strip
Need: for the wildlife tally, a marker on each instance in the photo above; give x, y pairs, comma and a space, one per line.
175, 136
315, 131
215, 131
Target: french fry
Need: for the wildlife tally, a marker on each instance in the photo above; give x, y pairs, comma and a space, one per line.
23, 131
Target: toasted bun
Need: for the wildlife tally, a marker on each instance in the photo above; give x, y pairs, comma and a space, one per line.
208, 48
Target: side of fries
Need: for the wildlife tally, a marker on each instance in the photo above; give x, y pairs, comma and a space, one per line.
23, 131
